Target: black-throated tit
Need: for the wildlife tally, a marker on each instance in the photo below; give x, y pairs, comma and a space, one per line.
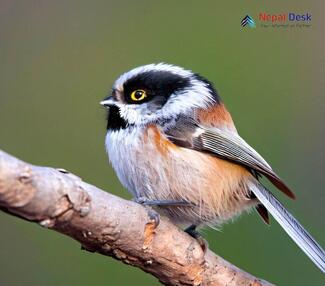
173, 145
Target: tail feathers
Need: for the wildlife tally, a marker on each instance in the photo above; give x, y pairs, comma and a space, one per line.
293, 228
262, 211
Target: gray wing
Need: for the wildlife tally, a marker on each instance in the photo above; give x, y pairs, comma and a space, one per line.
232, 147
223, 144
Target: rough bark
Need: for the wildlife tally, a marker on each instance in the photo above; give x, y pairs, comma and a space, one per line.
112, 226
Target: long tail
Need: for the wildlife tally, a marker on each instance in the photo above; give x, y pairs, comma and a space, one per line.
293, 228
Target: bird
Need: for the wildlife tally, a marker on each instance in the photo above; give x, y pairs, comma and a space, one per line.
174, 147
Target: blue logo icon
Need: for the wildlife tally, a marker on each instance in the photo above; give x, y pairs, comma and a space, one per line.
248, 21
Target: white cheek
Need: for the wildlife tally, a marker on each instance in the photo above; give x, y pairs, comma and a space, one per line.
137, 114
130, 114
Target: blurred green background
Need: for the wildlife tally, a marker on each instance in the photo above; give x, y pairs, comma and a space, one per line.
58, 59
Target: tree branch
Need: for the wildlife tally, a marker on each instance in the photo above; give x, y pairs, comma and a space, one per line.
112, 226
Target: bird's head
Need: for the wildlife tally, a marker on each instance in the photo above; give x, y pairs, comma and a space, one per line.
156, 93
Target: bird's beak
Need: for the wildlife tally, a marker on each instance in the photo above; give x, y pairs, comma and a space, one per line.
107, 101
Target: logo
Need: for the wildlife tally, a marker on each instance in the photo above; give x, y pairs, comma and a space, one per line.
284, 17
278, 20
248, 21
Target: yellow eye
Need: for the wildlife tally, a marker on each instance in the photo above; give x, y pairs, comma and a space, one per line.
138, 95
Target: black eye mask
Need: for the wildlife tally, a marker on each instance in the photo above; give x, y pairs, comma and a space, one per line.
159, 86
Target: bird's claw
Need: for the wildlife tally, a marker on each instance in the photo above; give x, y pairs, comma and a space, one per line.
153, 216
191, 230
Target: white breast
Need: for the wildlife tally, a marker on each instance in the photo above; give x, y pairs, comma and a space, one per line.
122, 146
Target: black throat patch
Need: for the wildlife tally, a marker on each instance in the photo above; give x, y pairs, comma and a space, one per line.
114, 119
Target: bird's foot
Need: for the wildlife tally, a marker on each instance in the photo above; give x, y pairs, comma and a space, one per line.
154, 217
191, 230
